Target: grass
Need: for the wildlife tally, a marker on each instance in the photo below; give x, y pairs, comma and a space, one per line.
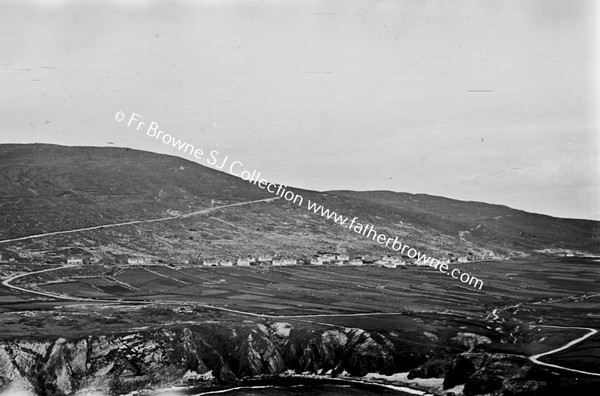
584, 356
425, 301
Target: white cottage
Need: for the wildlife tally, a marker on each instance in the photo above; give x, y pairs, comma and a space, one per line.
138, 260
316, 261
243, 262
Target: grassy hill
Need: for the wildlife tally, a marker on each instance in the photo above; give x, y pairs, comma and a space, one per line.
46, 188
487, 224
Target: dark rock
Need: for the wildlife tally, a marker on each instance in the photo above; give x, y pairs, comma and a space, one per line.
458, 371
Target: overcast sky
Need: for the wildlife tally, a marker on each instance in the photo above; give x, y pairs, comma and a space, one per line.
492, 101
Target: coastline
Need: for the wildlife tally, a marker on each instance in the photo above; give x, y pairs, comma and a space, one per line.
397, 382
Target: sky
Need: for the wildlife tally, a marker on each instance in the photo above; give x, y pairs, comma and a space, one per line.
493, 101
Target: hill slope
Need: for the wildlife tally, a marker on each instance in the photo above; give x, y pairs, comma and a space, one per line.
45, 188
487, 224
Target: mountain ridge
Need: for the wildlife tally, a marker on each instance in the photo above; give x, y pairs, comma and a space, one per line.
45, 188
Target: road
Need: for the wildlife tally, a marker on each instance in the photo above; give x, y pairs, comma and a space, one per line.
535, 358
199, 212
7, 281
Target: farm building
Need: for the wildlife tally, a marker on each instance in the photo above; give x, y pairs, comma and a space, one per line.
226, 263
355, 261
343, 257
75, 261
210, 263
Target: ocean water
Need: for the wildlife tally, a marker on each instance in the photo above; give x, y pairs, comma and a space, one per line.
306, 386
312, 389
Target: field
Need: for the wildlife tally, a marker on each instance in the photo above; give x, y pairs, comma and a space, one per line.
518, 300
333, 289
581, 356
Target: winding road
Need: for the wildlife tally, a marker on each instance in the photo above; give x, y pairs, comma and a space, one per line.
6, 282
493, 315
535, 358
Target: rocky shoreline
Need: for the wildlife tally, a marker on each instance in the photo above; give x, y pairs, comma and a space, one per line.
221, 357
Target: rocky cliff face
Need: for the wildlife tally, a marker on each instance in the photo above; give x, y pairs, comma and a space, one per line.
118, 364
121, 363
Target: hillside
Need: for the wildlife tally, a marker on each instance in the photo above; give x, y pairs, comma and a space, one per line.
486, 224
47, 188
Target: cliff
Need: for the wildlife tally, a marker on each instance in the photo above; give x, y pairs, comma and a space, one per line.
118, 364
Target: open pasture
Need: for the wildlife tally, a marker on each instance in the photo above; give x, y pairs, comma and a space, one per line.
534, 284
518, 301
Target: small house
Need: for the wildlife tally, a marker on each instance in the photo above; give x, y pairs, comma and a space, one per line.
243, 262
210, 263
226, 263
284, 262
327, 258
75, 261
265, 259
138, 260
316, 261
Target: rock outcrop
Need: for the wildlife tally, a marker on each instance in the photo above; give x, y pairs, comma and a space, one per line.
118, 364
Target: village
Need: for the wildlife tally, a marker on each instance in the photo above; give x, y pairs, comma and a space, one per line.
319, 259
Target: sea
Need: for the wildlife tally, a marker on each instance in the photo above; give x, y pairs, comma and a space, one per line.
298, 387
